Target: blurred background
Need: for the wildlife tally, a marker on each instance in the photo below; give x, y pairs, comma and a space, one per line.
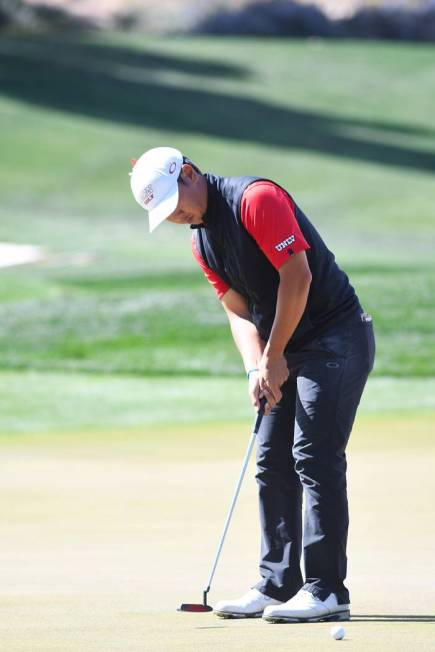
103, 325
124, 411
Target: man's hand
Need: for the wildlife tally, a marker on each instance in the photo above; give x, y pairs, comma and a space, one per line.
273, 372
254, 389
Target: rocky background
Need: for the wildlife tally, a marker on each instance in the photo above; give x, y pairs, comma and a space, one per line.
380, 19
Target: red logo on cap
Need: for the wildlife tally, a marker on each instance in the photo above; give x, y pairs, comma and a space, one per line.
148, 194
172, 167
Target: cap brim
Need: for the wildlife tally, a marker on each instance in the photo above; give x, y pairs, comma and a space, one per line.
167, 206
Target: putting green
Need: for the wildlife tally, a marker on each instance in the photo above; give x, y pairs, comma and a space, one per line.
103, 538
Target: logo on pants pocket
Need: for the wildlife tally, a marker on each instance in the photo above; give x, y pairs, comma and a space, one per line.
332, 365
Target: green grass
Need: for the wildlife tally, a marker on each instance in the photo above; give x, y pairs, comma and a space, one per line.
347, 127
33, 401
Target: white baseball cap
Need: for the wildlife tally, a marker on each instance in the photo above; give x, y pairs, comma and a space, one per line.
154, 182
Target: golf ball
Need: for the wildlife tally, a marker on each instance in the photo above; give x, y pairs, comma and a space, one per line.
337, 633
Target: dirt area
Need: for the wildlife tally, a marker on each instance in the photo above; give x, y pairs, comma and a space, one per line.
103, 536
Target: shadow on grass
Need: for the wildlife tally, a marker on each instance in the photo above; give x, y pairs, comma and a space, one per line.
389, 618
177, 280
120, 84
363, 619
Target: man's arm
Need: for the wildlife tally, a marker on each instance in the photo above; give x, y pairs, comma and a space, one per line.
294, 286
246, 337
269, 215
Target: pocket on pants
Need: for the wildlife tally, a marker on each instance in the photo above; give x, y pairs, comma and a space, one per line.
362, 341
371, 344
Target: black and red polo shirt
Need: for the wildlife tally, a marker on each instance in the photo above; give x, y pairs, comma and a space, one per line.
250, 228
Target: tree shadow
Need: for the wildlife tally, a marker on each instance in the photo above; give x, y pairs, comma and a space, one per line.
78, 52
134, 87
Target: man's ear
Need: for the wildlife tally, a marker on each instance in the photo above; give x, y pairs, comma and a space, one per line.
188, 172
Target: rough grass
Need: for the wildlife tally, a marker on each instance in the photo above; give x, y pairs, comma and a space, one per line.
170, 322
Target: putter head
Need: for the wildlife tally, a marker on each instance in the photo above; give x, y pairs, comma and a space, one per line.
198, 608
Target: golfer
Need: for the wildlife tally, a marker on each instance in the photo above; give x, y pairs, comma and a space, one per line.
307, 347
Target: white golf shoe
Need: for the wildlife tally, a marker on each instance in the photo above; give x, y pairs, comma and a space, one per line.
304, 607
250, 605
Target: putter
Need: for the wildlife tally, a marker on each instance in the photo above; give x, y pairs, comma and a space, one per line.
204, 606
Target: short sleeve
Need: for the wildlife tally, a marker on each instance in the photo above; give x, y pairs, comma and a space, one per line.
218, 284
268, 214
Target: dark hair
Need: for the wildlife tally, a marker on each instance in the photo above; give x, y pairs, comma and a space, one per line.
195, 167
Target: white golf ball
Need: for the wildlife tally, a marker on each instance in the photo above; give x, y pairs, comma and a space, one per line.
337, 633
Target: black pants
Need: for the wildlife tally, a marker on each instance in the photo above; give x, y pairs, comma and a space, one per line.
301, 448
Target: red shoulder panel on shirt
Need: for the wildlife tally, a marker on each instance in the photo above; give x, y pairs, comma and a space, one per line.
267, 213
218, 284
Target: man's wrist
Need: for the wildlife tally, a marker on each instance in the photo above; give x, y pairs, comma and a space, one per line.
251, 371
273, 351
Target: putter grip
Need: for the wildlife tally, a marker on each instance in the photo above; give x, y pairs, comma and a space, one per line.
260, 414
